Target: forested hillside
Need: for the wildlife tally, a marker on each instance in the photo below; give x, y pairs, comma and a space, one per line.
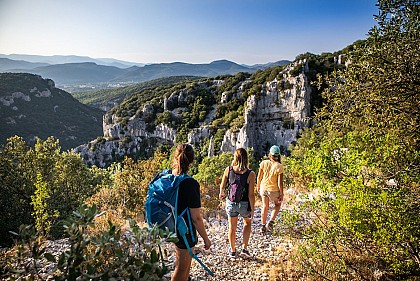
356, 170
107, 98
31, 107
362, 159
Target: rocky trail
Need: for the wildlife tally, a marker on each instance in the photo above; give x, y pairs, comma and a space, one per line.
269, 253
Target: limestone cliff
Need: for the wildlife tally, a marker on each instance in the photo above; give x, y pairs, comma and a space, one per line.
275, 115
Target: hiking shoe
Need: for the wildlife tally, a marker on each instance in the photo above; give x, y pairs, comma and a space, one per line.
270, 226
263, 229
231, 254
245, 254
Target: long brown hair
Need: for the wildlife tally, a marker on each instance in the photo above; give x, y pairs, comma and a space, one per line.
183, 157
240, 158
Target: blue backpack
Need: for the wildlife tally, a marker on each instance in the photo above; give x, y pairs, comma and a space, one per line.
162, 205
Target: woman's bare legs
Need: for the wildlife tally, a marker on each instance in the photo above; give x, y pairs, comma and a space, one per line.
233, 224
246, 232
275, 211
264, 211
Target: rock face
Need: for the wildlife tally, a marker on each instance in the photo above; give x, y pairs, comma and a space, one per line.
131, 140
137, 128
274, 116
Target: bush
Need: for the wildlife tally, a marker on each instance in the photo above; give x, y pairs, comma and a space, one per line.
111, 254
127, 196
40, 183
209, 176
360, 161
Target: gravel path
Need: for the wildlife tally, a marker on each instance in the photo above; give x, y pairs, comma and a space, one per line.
269, 253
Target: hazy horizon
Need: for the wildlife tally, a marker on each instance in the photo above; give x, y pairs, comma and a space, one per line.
31, 59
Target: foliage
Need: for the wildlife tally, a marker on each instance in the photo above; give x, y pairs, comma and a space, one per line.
126, 197
42, 181
104, 97
43, 220
23, 259
361, 161
16, 187
111, 254
209, 176
211, 168
165, 118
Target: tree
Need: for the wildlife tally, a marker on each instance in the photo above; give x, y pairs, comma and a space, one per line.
209, 175
126, 197
40, 184
43, 219
16, 187
363, 158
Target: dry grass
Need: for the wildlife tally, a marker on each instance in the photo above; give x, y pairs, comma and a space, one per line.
286, 269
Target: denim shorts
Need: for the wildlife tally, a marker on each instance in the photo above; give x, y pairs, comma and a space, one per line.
241, 208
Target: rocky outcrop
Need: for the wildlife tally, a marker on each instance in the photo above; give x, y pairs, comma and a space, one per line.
101, 152
196, 135
137, 127
132, 139
276, 117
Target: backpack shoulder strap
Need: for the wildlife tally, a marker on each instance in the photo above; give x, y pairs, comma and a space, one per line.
183, 229
195, 257
231, 176
182, 177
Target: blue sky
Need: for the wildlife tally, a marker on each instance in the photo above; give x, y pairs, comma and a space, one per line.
192, 31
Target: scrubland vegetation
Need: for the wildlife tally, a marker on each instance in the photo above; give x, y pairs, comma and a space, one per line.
360, 163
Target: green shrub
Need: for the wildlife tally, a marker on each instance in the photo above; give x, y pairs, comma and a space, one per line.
43, 186
43, 219
111, 254
360, 161
128, 193
209, 176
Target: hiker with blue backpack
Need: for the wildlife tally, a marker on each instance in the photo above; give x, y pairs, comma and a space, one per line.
238, 182
173, 202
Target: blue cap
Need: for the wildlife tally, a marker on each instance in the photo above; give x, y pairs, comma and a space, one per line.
275, 150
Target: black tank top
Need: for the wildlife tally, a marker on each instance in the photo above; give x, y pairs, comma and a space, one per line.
244, 181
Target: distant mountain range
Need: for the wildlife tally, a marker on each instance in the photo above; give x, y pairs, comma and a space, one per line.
76, 70
58, 59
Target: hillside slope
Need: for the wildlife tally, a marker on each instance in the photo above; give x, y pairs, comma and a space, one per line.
218, 114
155, 71
105, 99
90, 73
78, 73
31, 106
